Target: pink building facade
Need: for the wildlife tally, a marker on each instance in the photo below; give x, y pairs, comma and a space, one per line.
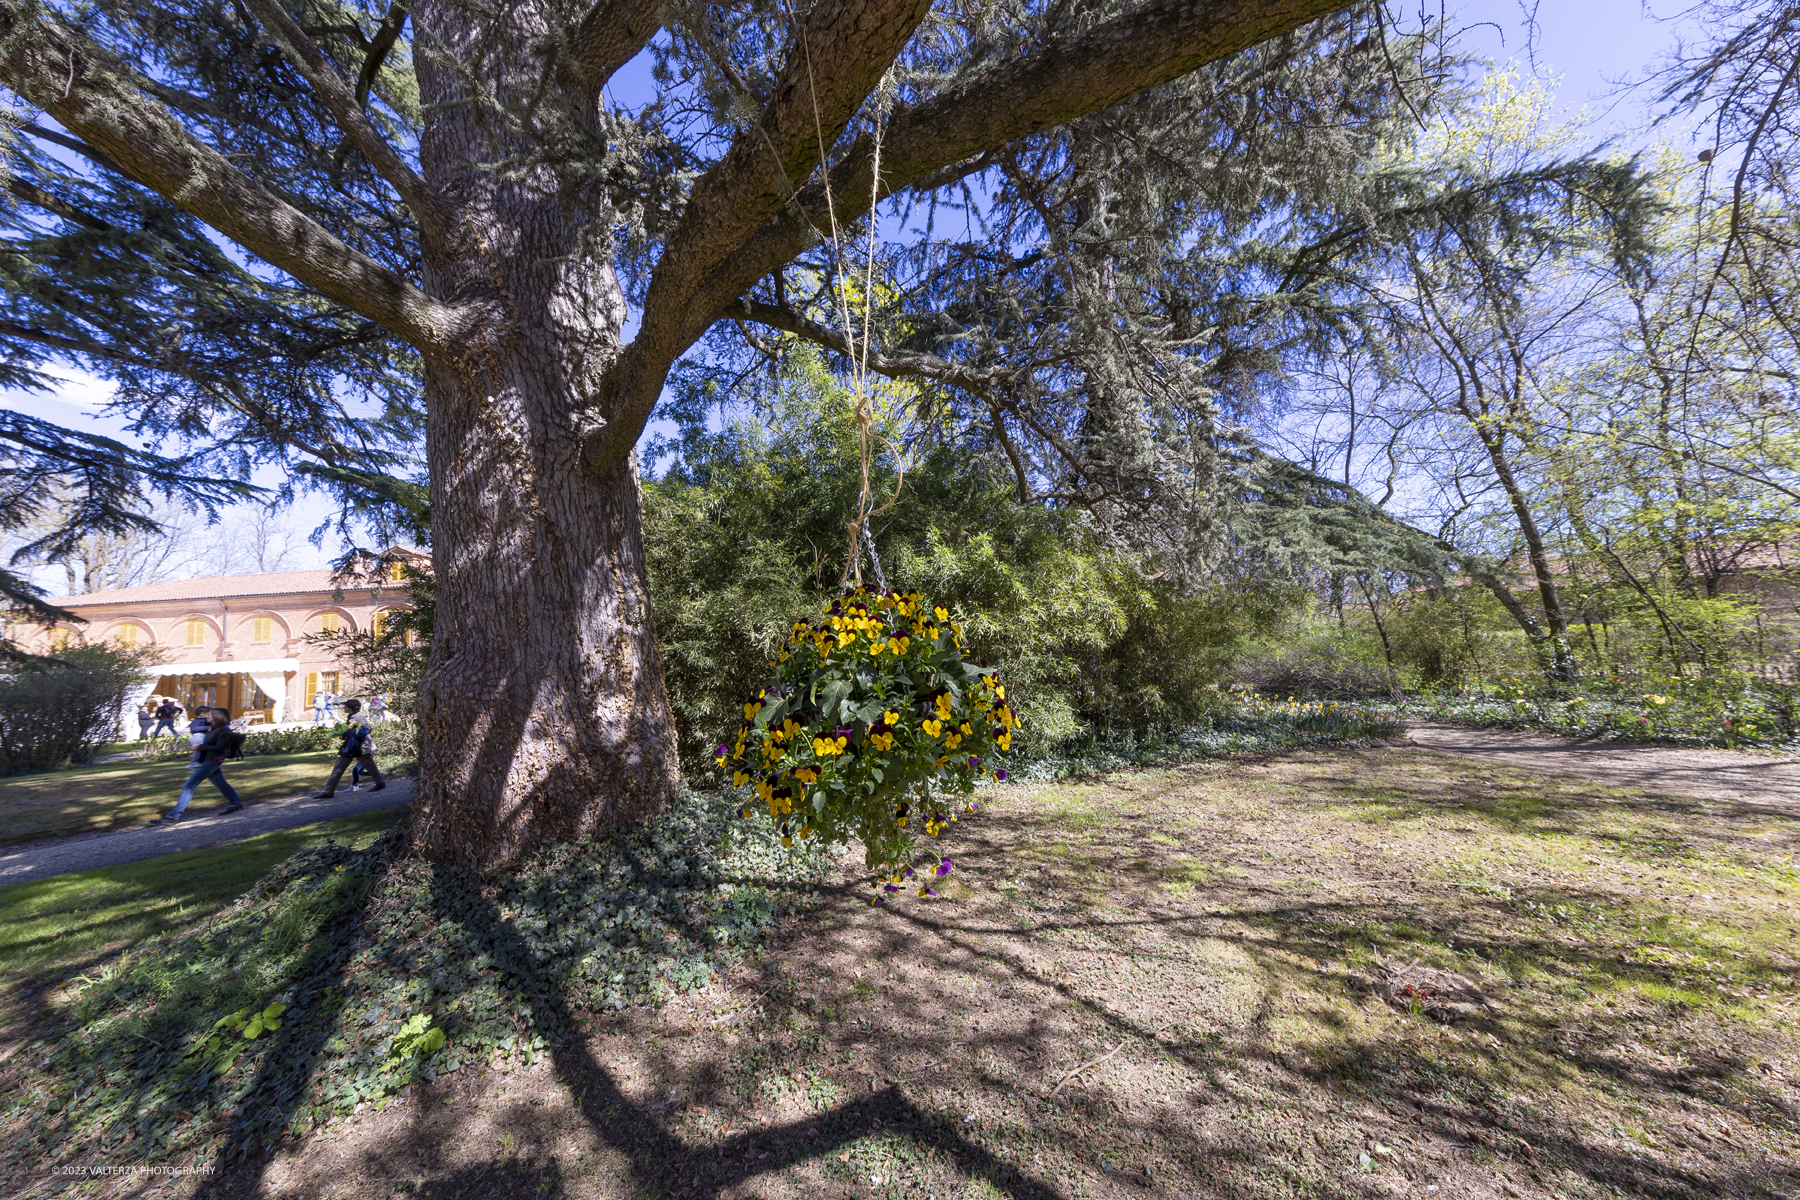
237, 641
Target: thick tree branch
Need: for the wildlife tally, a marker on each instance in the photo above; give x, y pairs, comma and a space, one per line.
31, 193
842, 50
1149, 45
76, 82
609, 36
437, 220
380, 46
68, 143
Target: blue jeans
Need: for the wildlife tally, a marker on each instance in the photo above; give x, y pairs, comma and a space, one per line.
205, 770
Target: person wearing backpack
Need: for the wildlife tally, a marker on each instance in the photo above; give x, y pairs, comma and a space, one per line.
357, 747
214, 741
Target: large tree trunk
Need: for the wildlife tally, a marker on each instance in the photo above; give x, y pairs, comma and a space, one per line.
544, 712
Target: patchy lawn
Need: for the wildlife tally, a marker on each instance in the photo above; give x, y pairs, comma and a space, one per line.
80, 922
93, 799
1182, 981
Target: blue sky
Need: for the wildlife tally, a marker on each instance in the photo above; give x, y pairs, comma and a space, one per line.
1593, 47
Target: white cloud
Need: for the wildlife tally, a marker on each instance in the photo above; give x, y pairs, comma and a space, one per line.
78, 389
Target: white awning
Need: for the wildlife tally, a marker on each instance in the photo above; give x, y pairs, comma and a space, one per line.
240, 666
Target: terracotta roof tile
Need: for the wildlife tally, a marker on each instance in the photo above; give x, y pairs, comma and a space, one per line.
211, 588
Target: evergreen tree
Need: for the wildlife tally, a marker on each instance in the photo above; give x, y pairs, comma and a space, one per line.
445, 191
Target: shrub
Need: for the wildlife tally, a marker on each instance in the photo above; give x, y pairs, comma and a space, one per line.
54, 711
292, 741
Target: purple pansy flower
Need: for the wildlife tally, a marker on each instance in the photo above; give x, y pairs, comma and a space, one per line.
943, 868
1000, 774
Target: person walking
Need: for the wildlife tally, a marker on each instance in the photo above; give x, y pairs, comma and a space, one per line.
217, 741
378, 707
320, 699
357, 747
331, 699
167, 713
146, 718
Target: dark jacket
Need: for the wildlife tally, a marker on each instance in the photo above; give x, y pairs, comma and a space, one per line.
220, 742
167, 711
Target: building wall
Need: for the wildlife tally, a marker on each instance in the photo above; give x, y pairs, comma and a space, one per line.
226, 628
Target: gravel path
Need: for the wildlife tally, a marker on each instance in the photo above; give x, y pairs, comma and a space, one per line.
206, 825
1758, 780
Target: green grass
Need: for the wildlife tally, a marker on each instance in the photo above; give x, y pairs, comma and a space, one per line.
78, 922
96, 798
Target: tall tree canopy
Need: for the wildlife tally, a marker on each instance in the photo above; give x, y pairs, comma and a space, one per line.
250, 214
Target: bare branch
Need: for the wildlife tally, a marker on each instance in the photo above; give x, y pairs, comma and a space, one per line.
904, 366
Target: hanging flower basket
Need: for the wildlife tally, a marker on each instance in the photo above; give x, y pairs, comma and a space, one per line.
875, 725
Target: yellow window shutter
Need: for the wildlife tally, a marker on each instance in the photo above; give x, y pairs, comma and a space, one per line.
196, 633
312, 688
128, 636
261, 629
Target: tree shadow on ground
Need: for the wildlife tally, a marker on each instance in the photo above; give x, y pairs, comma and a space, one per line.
991, 1004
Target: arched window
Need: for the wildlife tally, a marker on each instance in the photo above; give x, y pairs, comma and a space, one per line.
127, 637
262, 630
196, 632
330, 623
